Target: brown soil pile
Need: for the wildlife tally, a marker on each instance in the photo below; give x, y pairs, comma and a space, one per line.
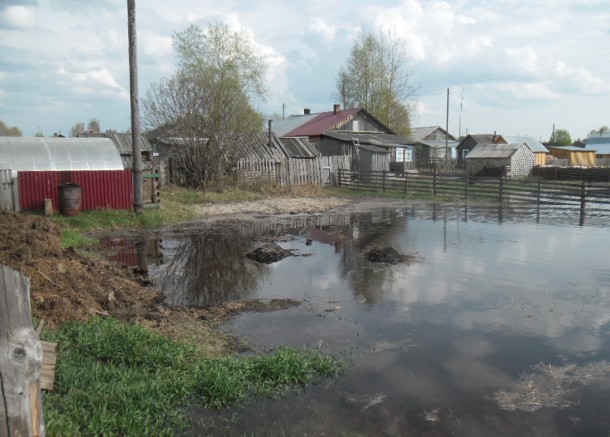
65, 285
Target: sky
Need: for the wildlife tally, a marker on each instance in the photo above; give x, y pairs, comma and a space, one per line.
515, 67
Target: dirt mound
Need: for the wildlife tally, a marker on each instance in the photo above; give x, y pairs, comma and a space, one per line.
65, 285
388, 255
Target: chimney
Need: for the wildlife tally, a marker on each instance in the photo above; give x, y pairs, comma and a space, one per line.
306, 111
336, 108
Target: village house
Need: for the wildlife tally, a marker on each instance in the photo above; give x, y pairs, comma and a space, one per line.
353, 133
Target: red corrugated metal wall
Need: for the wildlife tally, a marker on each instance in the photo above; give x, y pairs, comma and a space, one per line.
101, 188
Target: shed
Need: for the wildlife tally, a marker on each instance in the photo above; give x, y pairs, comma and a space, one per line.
540, 152
39, 166
470, 141
432, 143
576, 156
510, 160
285, 161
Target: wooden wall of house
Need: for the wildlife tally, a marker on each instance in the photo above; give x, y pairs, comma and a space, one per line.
331, 147
540, 158
360, 123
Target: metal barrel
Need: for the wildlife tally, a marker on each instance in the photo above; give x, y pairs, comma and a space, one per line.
70, 199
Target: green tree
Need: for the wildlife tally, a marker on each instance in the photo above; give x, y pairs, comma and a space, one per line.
560, 137
375, 77
208, 101
9, 131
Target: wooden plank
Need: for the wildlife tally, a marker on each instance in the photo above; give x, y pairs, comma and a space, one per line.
49, 360
20, 359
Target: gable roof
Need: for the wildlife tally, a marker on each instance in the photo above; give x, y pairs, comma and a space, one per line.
322, 122
493, 150
282, 127
534, 145
419, 134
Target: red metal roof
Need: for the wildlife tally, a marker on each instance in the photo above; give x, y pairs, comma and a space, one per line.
323, 122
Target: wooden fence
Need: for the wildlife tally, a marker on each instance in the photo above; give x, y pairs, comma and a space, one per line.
592, 174
283, 172
583, 195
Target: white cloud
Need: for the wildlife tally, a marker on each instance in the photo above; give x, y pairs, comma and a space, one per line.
582, 78
524, 58
317, 26
19, 17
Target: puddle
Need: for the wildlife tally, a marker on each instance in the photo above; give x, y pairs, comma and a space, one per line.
449, 345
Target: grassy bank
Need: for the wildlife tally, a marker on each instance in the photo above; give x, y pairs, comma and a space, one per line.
117, 379
177, 205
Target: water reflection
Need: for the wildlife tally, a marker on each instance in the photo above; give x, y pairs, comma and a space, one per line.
207, 268
429, 344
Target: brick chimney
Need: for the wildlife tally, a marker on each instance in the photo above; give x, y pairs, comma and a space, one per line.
336, 108
306, 111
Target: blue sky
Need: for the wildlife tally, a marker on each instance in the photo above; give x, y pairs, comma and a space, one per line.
516, 67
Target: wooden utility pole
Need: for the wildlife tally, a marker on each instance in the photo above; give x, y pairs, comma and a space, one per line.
20, 359
447, 130
138, 190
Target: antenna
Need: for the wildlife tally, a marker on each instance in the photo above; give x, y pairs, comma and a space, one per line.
460, 124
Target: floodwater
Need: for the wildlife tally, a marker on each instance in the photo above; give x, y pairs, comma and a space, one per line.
501, 329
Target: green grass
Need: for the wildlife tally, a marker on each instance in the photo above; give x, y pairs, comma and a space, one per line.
116, 379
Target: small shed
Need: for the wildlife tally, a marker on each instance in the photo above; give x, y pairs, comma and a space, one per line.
37, 167
540, 152
576, 156
470, 141
511, 160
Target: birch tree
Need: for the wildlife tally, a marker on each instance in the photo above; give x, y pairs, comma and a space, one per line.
376, 77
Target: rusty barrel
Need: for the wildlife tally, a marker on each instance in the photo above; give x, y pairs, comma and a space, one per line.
70, 199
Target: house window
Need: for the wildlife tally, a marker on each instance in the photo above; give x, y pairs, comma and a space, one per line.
355, 125
404, 154
465, 152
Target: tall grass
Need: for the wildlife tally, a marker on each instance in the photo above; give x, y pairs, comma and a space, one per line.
115, 379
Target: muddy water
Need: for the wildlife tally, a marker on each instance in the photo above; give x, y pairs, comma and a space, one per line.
501, 328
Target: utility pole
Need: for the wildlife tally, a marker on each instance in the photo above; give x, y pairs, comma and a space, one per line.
447, 129
138, 192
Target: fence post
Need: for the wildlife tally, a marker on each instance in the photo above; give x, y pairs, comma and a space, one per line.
500, 189
20, 359
434, 182
583, 198
383, 180
466, 186
406, 182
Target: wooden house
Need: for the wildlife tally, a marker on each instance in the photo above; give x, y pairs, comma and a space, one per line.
510, 160
432, 144
355, 133
575, 156
470, 141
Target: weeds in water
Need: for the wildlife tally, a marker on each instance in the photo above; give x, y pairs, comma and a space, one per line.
116, 379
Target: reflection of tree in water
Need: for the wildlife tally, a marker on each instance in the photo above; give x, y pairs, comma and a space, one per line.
373, 229
209, 268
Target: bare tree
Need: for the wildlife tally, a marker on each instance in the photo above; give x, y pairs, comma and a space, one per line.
79, 127
9, 131
375, 77
93, 125
207, 103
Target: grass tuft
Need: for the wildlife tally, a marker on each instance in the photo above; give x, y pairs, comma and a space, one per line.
115, 379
